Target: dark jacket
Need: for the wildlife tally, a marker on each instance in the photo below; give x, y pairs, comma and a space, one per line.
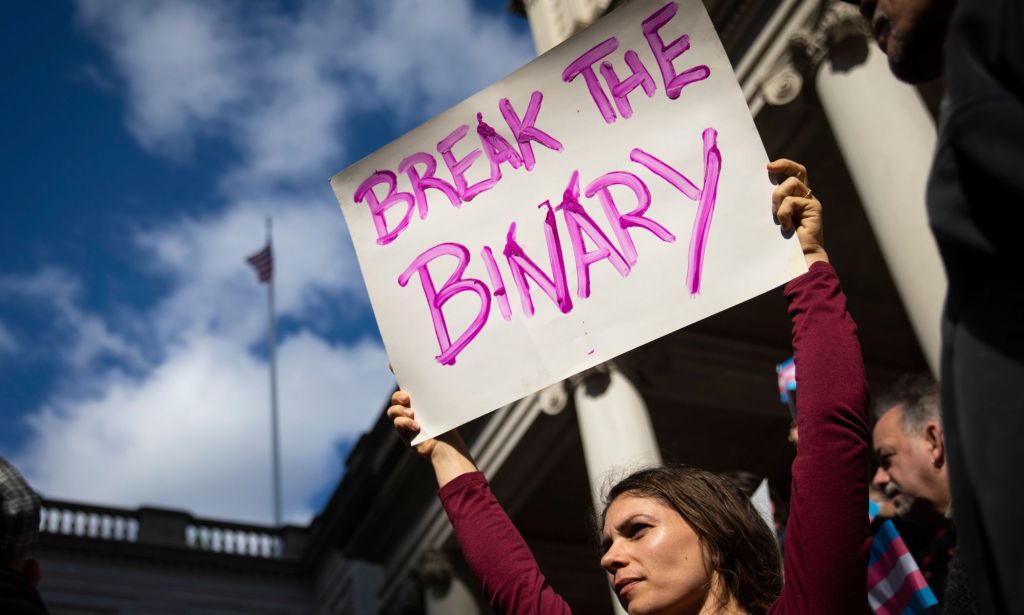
17, 595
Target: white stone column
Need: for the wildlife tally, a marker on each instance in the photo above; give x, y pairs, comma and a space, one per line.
587, 12
455, 597
553, 21
887, 138
614, 426
615, 429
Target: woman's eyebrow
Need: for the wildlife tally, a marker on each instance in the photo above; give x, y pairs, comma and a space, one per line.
621, 525
606, 542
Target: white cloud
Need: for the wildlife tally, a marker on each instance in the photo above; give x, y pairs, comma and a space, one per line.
191, 429
186, 425
82, 337
279, 86
426, 60
180, 62
216, 290
194, 434
292, 135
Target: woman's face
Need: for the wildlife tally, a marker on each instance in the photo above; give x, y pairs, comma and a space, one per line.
653, 558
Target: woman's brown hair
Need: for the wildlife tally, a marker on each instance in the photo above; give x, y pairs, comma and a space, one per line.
737, 542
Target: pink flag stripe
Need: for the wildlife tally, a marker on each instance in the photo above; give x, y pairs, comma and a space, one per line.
896, 585
895, 593
881, 593
898, 602
883, 566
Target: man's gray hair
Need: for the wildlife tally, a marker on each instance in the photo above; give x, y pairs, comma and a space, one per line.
918, 395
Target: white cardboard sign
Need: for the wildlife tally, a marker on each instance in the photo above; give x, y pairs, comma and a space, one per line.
609, 192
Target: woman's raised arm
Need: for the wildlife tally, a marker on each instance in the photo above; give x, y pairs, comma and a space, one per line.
494, 549
827, 539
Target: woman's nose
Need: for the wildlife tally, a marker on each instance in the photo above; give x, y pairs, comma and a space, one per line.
613, 559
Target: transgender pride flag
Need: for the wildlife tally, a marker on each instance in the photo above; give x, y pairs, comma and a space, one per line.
895, 583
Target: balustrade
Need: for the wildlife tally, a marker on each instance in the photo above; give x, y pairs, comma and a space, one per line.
130, 526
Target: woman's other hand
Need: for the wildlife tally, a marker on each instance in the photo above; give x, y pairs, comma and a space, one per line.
404, 419
795, 209
447, 453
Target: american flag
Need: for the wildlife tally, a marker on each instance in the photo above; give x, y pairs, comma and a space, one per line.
895, 583
263, 263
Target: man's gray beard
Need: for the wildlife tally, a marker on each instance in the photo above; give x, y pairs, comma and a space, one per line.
902, 503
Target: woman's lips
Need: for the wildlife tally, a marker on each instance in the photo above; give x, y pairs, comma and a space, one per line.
625, 586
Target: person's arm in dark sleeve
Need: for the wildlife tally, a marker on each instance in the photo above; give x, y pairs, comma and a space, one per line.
827, 539
495, 551
491, 544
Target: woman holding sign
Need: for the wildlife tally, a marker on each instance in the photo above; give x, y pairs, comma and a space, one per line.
680, 540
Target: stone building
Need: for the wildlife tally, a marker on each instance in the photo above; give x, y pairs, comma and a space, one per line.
821, 93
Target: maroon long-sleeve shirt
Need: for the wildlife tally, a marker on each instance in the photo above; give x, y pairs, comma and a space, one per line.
827, 539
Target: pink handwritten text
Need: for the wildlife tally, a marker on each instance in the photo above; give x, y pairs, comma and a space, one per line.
664, 56
617, 247
436, 299
421, 168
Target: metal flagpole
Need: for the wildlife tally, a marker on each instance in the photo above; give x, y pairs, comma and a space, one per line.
272, 349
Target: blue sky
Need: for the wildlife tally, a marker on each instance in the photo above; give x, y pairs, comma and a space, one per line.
144, 142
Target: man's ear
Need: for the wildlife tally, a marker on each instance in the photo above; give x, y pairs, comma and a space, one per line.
29, 569
936, 445
33, 572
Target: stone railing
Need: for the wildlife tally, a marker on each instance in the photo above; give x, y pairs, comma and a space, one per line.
235, 539
86, 521
171, 528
